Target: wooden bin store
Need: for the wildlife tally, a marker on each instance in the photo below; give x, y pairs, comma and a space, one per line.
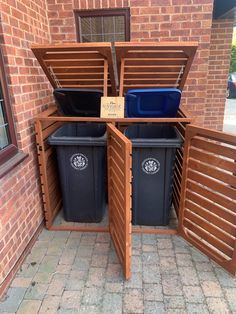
204, 189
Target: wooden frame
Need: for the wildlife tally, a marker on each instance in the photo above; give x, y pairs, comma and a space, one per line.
46, 123
103, 12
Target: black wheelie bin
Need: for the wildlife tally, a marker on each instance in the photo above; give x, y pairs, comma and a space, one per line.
153, 158
81, 155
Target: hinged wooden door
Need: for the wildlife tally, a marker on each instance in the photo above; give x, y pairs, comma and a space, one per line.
119, 191
207, 217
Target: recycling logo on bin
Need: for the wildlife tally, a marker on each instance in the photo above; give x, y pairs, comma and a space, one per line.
150, 165
79, 161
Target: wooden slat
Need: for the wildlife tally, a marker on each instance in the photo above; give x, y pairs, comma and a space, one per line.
211, 147
213, 160
212, 196
207, 216
214, 242
155, 61
226, 218
212, 172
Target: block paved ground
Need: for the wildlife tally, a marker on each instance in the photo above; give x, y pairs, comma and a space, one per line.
71, 272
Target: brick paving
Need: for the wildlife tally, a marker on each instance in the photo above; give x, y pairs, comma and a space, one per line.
71, 272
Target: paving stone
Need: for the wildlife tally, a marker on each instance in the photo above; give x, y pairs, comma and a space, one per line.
99, 260
167, 253
49, 305
67, 257
207, 276
193, 308
61, 235
151, 307
136, 240
184, 260
36, 291
176, 311
114, 287
57, 285
217, 306
96, 277
174, 302
198, 256
114, 273
133, 301
188, 276
151, 274
49, 264
136, 264
92, 295
203, 267
163, 244
172, 285
81, 263
63, 269
42, 277
28, 270
90, 309
71, 299
101, 248
168, 265
41, 244
29, 307
112, 303
231, 297
225, 279
21, 282
153, 292
103, 237
149, 239
61, 310
78, 274
12, 300
36, 255
88, 240
74, 284
193, 294
55, 249
149, 248
46, 235
113, 258
211, 289
72, 243
84, 251
75, 235
135, 281
150, 258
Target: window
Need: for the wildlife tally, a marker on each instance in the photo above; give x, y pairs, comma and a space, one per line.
103, 25
8, 144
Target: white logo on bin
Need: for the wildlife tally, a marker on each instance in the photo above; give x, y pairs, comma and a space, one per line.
79, 161
150, 165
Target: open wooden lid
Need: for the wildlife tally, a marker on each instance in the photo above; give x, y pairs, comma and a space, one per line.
154, 64
77, 65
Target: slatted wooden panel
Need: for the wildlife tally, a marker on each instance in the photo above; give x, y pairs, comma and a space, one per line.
153, 65
78, 65
119, 187
207, 217
51, 193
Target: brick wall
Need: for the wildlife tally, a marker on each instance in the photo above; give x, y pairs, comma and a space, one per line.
160, 20
22, 23
220, 50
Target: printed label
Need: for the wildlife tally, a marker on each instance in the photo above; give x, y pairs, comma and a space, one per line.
79, 161
150, 165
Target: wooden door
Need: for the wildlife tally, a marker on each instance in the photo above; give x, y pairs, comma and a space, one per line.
119, 199
207, 217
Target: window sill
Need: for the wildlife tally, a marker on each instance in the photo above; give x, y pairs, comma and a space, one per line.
11, 163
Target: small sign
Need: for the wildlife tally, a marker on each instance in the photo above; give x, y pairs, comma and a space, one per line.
150, 165
79, 161
112, 107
